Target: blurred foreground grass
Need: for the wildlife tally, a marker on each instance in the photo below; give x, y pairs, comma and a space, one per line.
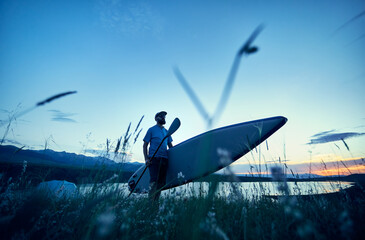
33, 214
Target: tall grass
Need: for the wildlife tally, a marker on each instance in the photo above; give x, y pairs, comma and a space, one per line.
112, 215
105, 211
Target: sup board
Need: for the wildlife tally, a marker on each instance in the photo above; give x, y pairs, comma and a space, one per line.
208, 152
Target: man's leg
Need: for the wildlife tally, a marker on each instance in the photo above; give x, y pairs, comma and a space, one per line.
163, 173
157, 193
153, 169
161, 177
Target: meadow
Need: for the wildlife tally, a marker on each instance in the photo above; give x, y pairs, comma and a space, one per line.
28, 213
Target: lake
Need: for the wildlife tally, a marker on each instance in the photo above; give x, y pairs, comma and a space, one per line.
246, 189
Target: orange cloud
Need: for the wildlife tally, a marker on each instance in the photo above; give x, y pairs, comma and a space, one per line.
341, 170
331, 165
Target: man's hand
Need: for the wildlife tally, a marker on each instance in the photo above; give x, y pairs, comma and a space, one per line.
148, 161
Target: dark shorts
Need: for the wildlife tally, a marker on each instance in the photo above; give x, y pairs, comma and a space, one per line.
158, 170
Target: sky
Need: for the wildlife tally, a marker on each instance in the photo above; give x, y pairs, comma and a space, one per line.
119, 56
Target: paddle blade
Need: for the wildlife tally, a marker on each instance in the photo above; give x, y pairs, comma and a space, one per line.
174, 126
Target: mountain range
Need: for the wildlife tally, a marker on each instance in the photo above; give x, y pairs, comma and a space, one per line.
14, 155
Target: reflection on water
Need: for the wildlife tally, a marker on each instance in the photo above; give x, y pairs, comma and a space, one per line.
245, 189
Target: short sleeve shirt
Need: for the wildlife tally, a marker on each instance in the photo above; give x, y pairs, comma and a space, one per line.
154, 137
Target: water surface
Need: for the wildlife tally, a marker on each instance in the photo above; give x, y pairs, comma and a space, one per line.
244, 189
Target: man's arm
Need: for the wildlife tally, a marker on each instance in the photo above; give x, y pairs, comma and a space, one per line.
170, 145
145, 153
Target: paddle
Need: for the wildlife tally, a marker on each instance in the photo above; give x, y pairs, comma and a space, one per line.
174, 126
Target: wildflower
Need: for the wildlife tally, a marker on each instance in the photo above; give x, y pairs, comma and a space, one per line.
346, 224
124, 227
180, 175
105, 223
211, 214
210, 225
25, 163
224, 156
306, 230
124, 212
162, 207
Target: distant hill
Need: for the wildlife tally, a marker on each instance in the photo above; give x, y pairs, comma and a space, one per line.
12, 154
45, 165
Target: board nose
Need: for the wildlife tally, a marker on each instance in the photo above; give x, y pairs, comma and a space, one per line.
282, 120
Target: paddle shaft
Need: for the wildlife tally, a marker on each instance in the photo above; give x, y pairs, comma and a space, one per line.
144, 170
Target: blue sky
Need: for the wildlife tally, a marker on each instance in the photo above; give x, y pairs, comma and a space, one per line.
119, 56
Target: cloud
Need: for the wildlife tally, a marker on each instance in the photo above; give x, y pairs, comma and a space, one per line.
341, 167
62, 119
330, 136
323, 133
129, 17
59, 116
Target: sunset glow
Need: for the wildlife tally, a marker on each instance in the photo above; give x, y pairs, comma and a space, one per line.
341, 166
341, 171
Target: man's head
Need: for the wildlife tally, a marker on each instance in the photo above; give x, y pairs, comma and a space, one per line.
160, 117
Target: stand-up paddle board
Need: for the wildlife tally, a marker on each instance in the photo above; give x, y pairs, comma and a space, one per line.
201, 155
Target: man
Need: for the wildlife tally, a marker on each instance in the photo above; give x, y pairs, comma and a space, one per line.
158, 165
